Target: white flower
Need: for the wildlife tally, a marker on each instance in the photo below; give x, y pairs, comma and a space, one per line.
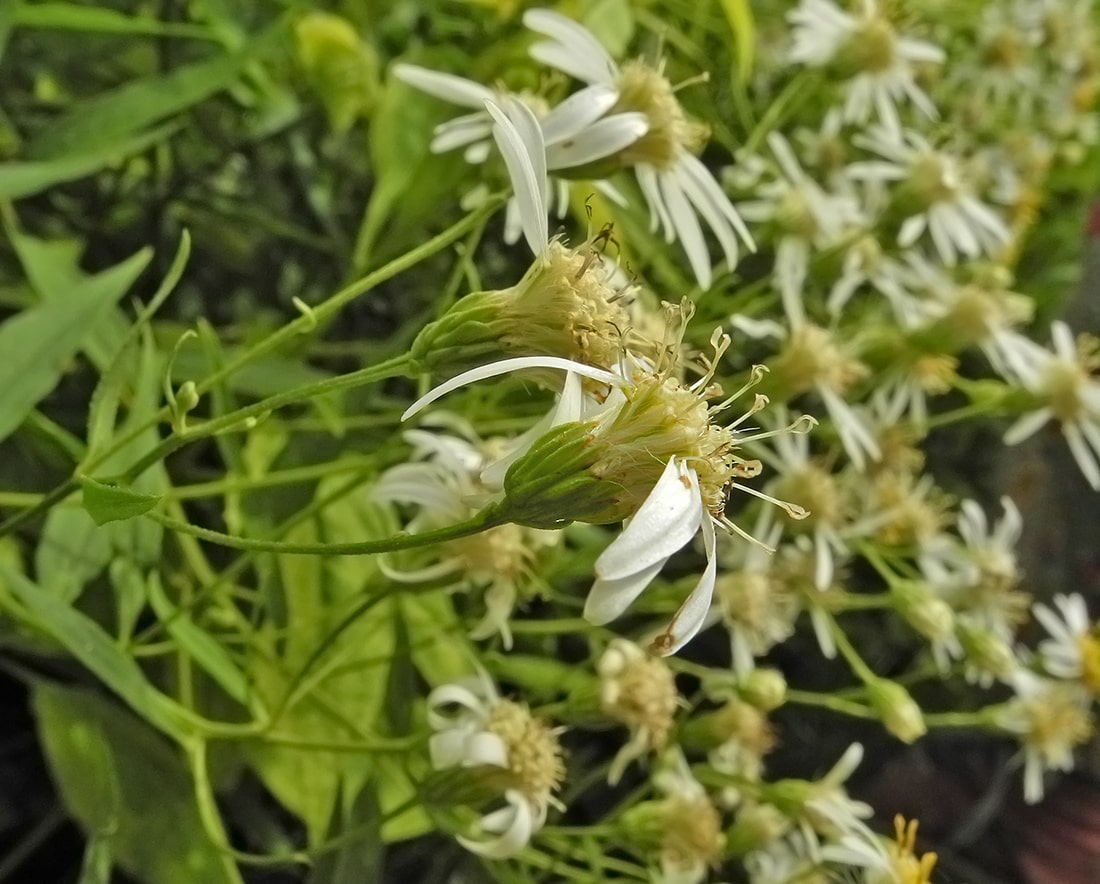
813, 359
692, 838
648, 418
807, 216
638, 690
1063, 380
473, 727
956, 220
1050, 718
446, 481
827, 811
980, 575
677, 186
867, 43
574, 133
1072, 651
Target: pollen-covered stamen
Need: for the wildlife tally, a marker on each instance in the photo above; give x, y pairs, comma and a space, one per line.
643, 88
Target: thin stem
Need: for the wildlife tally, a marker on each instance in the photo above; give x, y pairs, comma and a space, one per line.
490, 517
861, 670
830, 702
240, 417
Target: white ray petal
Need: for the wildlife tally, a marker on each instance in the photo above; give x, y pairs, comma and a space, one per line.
517, 134
692, 614
457, 90
667, 519
507, 366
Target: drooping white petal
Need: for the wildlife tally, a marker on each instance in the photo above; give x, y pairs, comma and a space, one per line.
519, 138
513, 825
607, 599
456, 90
667, 519
507, 366
692, 614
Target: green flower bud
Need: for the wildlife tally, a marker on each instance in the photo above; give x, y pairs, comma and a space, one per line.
899, 712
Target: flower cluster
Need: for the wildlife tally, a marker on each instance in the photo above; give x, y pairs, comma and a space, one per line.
889, 210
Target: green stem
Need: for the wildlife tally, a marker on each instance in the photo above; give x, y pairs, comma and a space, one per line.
830, 702
861, 670
490, 517
395, 367
273, 479
288, 332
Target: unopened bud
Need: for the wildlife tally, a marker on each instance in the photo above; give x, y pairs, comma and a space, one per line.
899, 712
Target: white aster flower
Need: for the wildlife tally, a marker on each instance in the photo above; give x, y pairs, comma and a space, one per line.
823, 810
978, 573
577, 132
1064, 380
1050, 719
878, 63
813, 359
883, 860
938, 193
647, 421
677, 187
446, 482
692, 839
1073, 649
474, 728
807, 218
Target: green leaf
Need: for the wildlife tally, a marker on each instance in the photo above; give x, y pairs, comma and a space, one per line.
739, 15
106, 119
203, 648
109, 766
71, 552
359, 859
91, 646
39, 342
113, 503
91, 19
19, 179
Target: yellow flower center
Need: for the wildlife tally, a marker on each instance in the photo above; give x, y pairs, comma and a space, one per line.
1057, 719
906, 866
643, 695
693, 833
811, 357
873, 47
1089, 647
564, 306
534, 754
646, 89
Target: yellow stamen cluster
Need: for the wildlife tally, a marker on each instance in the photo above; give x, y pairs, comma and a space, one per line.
748, 726
906, 866
566, 306
912, 512
501, 553
763, 606
638, 690
645, 89
811, 356
873, 47
692, 833
1055, 719
1064, 381
535, 760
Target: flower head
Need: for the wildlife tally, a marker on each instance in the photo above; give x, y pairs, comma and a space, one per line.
677, 186
639, 691
519, 757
